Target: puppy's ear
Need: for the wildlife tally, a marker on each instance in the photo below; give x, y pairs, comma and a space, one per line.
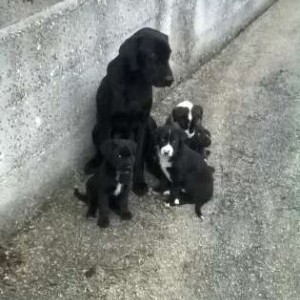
132, 147
198, 111
156, 134
107, 147
129, 50
178, 112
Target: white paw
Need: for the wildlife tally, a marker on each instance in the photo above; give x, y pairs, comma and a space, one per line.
167, 204
166, 193
176, 202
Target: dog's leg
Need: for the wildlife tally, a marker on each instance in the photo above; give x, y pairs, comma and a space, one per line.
198, 210
174, 195
92, 203
124, 212
103, 204
140, 187
163, 185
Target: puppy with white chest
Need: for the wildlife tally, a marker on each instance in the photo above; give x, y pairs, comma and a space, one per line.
185, 169
109, 187
188, 117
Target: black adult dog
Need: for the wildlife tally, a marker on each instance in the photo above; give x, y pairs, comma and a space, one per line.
124, 98
110, 186
185, 169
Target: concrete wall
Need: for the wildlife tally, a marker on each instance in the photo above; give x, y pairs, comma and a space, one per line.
51, 64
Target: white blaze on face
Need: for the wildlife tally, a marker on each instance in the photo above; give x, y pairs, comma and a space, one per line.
189, 105
167, 150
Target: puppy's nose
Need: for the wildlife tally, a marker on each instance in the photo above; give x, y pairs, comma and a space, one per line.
166, 152
169, 80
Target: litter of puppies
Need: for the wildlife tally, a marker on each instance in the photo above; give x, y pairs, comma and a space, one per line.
126, 137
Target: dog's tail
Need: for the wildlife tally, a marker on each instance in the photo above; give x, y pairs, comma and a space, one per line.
198, 210
80, 196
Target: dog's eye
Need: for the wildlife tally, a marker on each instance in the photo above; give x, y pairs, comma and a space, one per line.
119, 156
173, 142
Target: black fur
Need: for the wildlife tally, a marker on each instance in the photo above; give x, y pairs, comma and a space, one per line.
188, 171
116, 167
124, 98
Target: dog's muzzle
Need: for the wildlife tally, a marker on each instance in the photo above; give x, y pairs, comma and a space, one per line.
167, 150
125, 176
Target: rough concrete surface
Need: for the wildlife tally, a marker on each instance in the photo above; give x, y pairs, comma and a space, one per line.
51, 63
248, 245
12, 11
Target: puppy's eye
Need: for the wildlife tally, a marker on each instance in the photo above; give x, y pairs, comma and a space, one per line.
173, 142
119, 156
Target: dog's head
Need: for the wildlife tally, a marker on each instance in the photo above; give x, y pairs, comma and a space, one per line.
148, 51
119, 153
169, 140
200, 140
186, 116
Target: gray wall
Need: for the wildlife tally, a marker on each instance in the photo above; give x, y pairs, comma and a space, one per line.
51, 64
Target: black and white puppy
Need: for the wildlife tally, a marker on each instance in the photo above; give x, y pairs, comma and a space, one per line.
124, 98
109, 187
188, 117
185, 169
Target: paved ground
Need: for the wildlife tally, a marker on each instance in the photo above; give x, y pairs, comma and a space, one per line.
247, 247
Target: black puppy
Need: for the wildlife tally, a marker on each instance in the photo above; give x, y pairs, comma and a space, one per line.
188, 117
185, 169
110, 186
198, 142
124, 98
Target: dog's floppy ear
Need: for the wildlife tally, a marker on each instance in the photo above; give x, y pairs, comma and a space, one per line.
129, 50
132, 147
107, 147
178, 112
198, 111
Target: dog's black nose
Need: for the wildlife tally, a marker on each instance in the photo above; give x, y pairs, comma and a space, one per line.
169, 80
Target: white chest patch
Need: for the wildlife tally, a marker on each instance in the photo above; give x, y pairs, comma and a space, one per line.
165, 164
118, 189
119, 186
190, 135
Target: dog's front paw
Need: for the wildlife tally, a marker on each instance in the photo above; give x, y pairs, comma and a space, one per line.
177, 201
140, 189
127, 215
103, 222
160, 188
90, 214
166, 193
169, 203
